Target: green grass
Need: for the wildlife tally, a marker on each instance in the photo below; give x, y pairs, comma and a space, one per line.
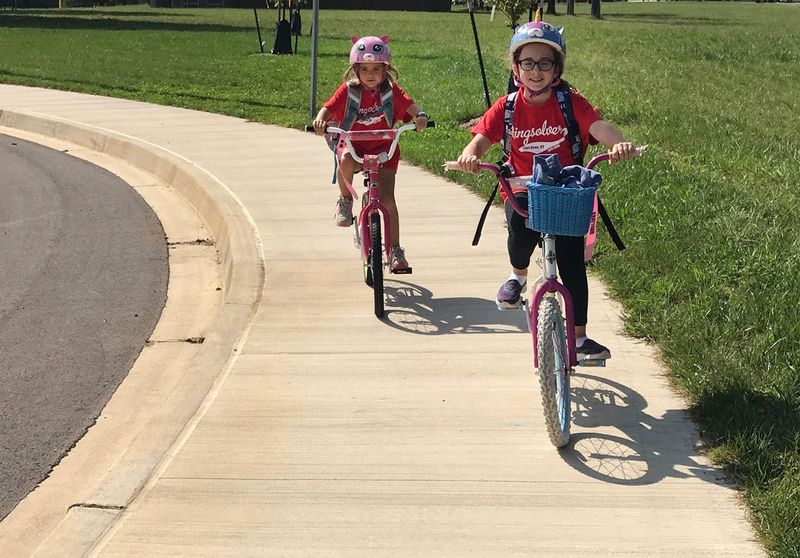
709, 215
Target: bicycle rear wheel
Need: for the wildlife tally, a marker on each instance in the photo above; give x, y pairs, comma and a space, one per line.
553, 371
376, 262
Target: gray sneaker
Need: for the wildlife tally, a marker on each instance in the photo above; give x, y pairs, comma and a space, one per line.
344, 212
399, 263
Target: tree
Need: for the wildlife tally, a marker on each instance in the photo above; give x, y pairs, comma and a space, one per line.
551, 7
596, 9
513, 9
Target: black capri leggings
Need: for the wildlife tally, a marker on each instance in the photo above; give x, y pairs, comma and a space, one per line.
522, 241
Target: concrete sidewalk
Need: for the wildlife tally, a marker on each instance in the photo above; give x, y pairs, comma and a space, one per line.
313, 429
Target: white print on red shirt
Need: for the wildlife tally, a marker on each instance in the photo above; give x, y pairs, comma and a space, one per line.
538, 147
370, 116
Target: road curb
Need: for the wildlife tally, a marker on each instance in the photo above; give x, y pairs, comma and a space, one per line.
75, 528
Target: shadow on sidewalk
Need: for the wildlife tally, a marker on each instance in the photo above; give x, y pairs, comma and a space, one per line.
414, 309
648, 448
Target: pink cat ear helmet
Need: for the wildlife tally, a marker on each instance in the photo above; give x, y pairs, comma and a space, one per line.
538, 32
370, 49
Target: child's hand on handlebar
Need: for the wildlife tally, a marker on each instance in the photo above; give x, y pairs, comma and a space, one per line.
319, 126
421, 121
622, 152
469, 163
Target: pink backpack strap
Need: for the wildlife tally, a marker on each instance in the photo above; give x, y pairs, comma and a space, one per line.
591, 236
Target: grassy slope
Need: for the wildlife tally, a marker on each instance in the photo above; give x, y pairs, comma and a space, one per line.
710, 274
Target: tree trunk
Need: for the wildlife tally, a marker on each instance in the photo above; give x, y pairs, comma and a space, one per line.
570, 7
551, 7
596, 9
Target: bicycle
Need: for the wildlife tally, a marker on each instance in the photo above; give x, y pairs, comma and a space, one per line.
374, 240
554, 352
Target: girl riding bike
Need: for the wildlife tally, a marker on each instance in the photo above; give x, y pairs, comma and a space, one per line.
370, 99
537, 125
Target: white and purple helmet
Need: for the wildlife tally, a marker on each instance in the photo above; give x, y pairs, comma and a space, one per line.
370, 49
538, 32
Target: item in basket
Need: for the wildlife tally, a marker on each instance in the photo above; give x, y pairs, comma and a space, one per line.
546, 169
576, 176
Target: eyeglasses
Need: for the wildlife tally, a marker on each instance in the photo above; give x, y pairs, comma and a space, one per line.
528, 64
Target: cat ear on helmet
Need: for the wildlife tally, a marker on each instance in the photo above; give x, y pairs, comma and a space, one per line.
354, 39
385, 39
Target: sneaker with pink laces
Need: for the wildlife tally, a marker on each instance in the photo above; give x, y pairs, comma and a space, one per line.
399, 264
344, 212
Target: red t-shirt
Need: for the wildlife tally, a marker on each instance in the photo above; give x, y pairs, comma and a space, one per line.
538, 130
370, 116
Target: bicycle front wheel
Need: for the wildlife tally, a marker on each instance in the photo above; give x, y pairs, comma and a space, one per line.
553, 371
376, 262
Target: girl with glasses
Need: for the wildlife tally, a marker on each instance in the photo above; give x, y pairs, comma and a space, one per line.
537, 120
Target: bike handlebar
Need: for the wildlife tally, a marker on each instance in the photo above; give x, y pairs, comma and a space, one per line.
503, 172
387, 134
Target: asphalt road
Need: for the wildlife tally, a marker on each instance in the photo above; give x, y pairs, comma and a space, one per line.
83, 280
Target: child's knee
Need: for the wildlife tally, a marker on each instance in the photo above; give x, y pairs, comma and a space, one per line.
349, 164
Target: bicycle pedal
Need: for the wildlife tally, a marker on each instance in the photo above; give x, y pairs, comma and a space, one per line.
403, 271
522, 305
594, 362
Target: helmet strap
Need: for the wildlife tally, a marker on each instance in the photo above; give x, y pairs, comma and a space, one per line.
542, 91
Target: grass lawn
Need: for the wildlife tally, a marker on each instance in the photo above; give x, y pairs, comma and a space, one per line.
709, 215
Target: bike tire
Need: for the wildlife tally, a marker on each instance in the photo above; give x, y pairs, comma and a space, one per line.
368, 272
376, 262
554, 371
358, 242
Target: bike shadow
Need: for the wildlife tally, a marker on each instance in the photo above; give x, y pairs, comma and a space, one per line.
647, 450
414, 309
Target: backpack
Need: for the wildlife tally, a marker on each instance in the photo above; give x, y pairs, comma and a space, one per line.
351, 114
354, 103
562, 92
565, 104
283, 38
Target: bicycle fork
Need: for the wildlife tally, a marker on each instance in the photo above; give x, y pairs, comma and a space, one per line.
548, 287
372, 205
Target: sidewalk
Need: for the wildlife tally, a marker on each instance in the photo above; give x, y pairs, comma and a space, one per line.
318, 430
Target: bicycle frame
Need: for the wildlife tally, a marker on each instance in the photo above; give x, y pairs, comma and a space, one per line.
371, 164
550, 285
546, 319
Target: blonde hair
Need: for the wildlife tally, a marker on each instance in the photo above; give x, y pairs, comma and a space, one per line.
351, 74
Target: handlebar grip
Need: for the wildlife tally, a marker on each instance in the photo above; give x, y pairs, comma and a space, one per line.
451, 165
309, 128
431, 124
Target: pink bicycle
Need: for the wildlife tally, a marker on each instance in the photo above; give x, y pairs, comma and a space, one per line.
553, 331
372, 225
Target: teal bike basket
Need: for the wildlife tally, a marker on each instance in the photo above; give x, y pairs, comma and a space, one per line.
558, 210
